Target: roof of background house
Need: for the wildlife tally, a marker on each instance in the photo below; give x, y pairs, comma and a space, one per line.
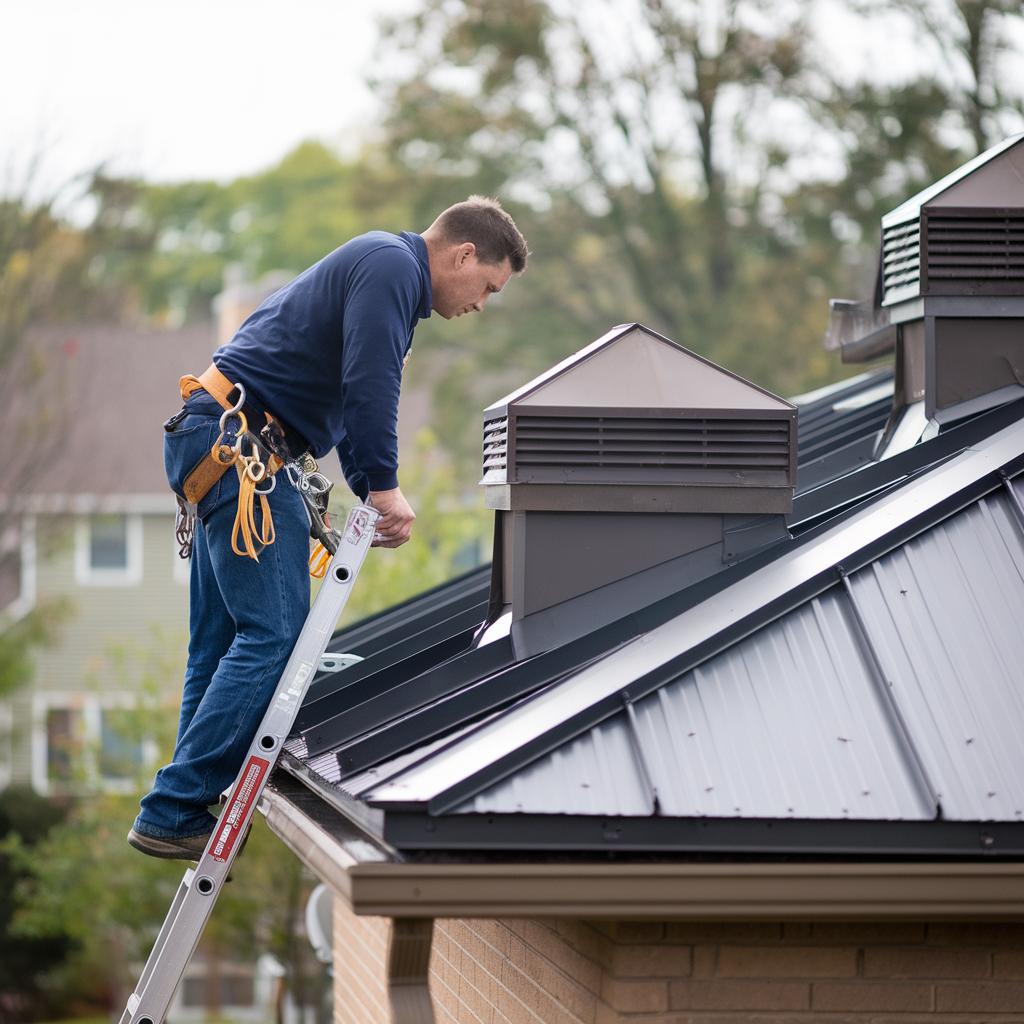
95, 412
851, 690
106, 390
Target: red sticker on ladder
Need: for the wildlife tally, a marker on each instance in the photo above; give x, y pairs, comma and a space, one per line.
238, 810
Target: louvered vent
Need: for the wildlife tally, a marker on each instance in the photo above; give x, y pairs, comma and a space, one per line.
901, 256
596, 449
977, 247
635, 423
495, 450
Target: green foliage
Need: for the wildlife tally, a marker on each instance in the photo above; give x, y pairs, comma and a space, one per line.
83, 893
450, 536
36, 628
25, 819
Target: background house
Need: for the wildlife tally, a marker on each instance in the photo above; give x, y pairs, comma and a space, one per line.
97, 527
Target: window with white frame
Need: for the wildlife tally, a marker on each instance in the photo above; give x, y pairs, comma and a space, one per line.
17, 567
86, 742
108, 550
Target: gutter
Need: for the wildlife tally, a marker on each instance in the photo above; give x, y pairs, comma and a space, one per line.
374, 880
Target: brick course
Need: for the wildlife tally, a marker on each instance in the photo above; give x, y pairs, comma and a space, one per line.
567, 971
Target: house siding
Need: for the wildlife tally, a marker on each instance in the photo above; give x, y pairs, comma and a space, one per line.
149, 618
105, 615
567, 971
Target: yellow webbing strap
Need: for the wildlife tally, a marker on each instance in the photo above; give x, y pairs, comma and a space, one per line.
251, 471
245, 517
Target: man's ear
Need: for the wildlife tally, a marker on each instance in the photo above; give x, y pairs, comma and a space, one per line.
464, 254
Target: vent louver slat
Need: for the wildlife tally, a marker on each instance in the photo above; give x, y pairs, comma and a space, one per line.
602, 447
495, 449
901, 259
977, 247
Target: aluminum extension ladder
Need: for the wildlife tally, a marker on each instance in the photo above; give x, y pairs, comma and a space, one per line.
201, 885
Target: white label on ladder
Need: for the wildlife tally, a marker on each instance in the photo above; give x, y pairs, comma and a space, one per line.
358, 524
133, 1003
286, 698
235, 812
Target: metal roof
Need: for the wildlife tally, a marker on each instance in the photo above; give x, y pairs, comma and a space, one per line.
839, 426
763, 687
652, 659
912, 207
791, 721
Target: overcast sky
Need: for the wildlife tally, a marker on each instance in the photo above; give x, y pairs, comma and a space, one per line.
219, 88
188, 89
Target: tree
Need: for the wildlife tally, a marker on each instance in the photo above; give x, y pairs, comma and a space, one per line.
84, 896
29, 818
44, 276
974, 39
682, 130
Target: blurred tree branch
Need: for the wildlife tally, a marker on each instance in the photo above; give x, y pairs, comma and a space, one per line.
971, 35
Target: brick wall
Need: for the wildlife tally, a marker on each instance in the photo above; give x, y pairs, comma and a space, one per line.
360, 975
594, 972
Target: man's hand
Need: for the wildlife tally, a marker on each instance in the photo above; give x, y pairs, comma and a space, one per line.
396, 517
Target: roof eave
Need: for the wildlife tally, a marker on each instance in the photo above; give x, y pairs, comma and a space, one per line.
906, 890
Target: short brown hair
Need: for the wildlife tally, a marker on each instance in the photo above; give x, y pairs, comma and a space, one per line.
483, 222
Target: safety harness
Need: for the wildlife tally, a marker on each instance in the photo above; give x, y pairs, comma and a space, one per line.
271, 448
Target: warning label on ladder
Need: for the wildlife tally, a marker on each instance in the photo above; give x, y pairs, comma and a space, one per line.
237, 811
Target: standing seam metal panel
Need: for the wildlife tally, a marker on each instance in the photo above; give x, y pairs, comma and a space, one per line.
947, 615
791, 721
786, 724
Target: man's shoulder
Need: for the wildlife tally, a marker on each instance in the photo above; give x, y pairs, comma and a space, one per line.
379, 246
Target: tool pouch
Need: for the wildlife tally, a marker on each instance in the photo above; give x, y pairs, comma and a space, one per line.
203, 476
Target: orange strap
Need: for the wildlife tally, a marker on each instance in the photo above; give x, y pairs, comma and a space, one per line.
215, 383
254, 540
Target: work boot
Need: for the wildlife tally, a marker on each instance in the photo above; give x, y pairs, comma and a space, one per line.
189, 848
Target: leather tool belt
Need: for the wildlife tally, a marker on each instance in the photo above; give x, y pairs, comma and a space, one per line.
207, 472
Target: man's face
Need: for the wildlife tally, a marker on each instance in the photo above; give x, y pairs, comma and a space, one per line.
462, 284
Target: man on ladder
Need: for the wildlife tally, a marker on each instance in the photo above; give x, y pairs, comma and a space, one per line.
317, 366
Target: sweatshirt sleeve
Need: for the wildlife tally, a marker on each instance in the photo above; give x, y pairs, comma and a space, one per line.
380, 311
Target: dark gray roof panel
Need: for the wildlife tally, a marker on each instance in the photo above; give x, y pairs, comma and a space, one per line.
787, 724
648, 663
791, 723
947, 614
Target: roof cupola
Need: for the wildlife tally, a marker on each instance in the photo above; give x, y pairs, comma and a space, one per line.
631, 453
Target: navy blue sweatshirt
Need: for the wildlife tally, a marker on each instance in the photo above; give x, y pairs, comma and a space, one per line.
325, 352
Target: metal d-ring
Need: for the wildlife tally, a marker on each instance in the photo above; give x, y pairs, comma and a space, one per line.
270, 489
235, 410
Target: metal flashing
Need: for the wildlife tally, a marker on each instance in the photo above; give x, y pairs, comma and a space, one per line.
639, 498
409, 831
612, 885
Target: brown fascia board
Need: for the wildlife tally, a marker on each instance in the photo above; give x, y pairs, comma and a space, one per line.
387, 887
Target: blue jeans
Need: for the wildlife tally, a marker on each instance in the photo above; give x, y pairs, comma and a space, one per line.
244, 619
